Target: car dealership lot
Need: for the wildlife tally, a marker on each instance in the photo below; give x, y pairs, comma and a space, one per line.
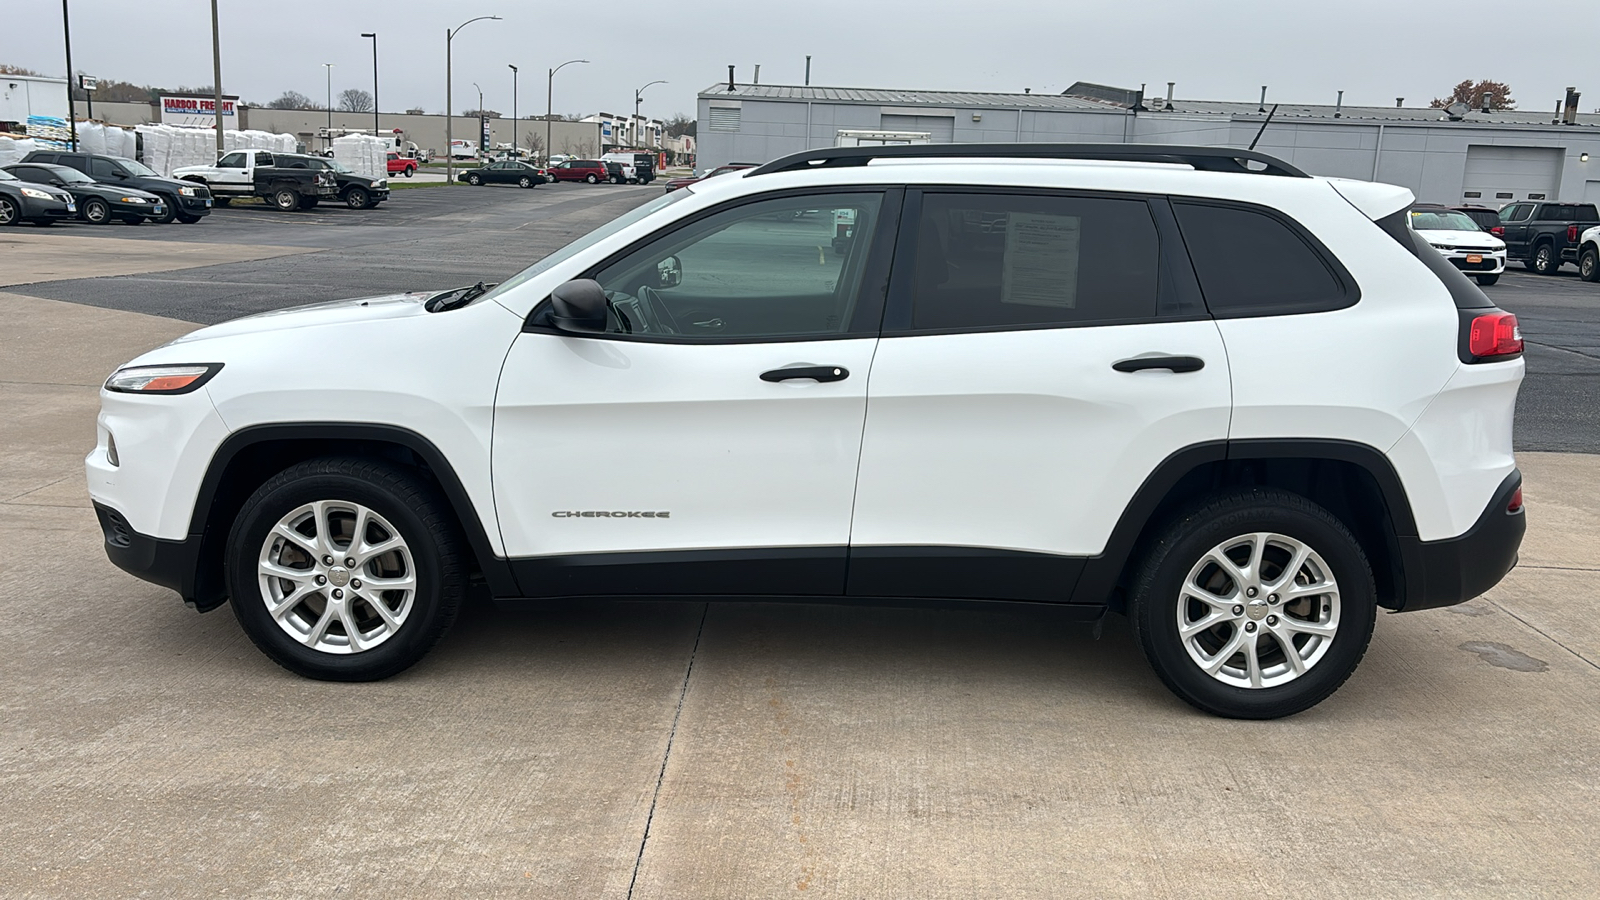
737, 750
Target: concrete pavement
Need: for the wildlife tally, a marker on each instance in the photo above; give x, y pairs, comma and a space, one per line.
676, 750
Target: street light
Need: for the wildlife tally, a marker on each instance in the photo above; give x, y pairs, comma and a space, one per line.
549, 107
329, 67
513, 110
449, 133
374, 36
638, 96
481, 116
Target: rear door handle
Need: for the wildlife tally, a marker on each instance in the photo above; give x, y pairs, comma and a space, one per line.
1174, 363
818, 373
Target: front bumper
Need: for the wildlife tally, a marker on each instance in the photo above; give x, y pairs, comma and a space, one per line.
150, 208
1488, 262
1444, 573
34, 209
170, 564
195, 206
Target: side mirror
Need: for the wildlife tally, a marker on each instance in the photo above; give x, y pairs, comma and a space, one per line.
669, 273
579, 306
57, 182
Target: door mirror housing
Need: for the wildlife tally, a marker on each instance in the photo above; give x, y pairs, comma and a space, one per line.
579, 306
669, 272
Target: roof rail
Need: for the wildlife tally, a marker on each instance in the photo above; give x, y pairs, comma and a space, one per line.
1208, 159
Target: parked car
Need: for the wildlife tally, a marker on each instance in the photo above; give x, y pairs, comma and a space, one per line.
1460, 241
24, 201
1544, 235
641, 166
98, 204
402, 165
591, 170
519, 173
1589, 254
618, 172
355, 191
257, 173
676, 183
1485, 217
185, 201
1107, 387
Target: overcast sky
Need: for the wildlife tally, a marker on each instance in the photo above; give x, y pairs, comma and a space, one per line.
1375, 50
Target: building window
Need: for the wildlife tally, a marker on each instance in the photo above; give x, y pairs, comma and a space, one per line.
1473, 195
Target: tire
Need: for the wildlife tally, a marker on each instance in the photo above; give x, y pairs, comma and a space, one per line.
96, 212
220, 201
525, 181
357, 198
170, 201
615, 180
474, 180
1486, 280
8, 211
1227, 522
409, 171
1545, 260
312, 636
1589, 265
592, 178
186, 219
285, 199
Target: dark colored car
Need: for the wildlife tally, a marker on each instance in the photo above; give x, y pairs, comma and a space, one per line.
185, 201
591, 170
676, 183
98, 203
1485, 217
505, 172
22, 201
1544, 235
357, 191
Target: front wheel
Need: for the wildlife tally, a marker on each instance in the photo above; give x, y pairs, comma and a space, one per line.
1589, 265
97, 212
286, 199
1545, 261
8, 211
357, 198
169, 210
474, 180
592, 179
345, 569
1255, 604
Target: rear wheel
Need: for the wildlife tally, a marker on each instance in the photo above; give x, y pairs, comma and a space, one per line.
345, 569
97, 212
410, 170
525, 181
1487, 280
1255, 604
1589, 265
1545, 261
286, 199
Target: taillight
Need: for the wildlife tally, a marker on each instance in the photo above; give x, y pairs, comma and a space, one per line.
1495, 334
1572, 234
1516, 501
1497, 230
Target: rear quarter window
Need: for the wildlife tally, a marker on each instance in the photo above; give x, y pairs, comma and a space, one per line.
1253, 263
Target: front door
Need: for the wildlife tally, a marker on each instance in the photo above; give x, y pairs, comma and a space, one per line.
1040, 358
233, 175
707, 443
1514, 220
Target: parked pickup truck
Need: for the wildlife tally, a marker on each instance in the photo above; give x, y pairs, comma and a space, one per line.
402, 165
256, 173
1544, 235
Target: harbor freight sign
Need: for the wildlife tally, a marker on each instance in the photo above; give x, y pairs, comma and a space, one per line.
198, 112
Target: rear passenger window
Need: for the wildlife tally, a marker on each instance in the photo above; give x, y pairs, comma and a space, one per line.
1012, 260
1253, 264
101, 168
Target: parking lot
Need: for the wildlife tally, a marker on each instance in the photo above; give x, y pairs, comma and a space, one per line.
683, 749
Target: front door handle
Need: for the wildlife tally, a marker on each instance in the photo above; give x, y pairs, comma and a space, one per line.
1174, 363
818, 373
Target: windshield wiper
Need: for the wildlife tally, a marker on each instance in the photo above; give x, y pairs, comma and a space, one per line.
457, 298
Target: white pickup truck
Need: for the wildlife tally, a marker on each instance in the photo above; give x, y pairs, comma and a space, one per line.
255, 173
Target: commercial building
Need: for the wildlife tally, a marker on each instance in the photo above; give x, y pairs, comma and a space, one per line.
1462, 156
22, 96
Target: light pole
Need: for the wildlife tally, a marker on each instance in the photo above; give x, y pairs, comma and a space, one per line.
481, 117
549, 106
637, 97
329, 67
513, 110
449, 151
374, 36
72, 110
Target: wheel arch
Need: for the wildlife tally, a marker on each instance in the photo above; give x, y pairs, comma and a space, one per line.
1356, 482
250, 456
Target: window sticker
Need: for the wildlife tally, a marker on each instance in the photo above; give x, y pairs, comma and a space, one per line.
1041, 261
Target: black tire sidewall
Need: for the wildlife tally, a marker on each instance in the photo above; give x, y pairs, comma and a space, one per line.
434, 606
1154, 603
1589, 266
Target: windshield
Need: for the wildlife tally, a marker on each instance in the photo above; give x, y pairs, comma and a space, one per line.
136, 168
587, 241
1442, 220
338, 166
7, 176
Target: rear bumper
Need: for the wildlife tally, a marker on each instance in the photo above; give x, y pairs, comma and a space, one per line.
171, 564
1444, 573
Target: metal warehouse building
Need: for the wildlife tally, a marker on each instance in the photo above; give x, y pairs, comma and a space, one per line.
1470, 156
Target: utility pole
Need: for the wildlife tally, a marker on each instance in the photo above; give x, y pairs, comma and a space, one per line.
549, 104
449, 151
72, 108
216, 75
329, 67
374, 36
513, 110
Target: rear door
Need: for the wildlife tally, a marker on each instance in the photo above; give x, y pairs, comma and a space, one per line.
1041, 356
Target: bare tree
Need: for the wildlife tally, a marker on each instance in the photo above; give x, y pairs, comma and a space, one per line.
534, 141
293, 100
487, 113
354, 100
581, 149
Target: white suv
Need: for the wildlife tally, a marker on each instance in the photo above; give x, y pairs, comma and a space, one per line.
1244, 406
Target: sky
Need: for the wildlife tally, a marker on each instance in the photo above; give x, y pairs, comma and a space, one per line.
1373, 50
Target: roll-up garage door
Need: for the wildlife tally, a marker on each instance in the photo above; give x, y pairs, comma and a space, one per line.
941, 129
1498, 175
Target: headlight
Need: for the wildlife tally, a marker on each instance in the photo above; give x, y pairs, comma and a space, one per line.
38, 194
186, 191
381, 182
133, 200
1441, 246
161, 379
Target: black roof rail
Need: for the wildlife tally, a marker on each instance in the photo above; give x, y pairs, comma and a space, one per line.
1208, 159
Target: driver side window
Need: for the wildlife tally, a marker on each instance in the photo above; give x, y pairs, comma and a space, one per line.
782, 268
233, 160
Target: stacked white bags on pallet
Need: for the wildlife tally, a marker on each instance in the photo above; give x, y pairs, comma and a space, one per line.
14, 149
363, 154
167, 148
